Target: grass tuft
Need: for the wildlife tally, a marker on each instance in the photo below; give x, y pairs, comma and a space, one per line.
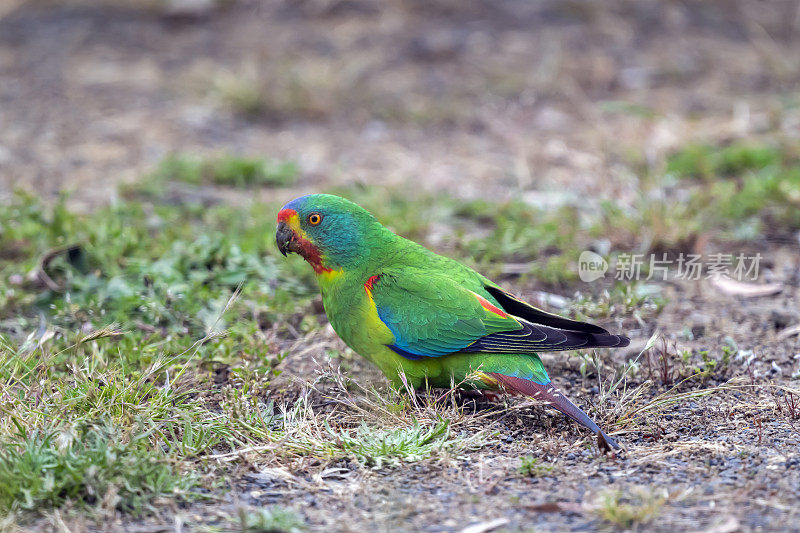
394, 446
636, 508
708, 162
87, 466
531, 467
228, 170
270, 520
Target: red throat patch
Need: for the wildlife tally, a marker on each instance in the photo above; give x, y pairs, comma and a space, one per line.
312, 255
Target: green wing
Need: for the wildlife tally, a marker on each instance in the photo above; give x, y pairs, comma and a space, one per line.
430, 315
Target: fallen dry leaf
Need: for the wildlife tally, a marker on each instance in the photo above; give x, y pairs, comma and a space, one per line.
728, 526
788, 332
746, 290
556, 507
483, 527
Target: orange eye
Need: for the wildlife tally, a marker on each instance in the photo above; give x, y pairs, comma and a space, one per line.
314, 219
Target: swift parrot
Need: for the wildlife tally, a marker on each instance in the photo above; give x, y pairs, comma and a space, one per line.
429, 318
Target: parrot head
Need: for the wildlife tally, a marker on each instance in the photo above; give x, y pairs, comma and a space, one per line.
327, 230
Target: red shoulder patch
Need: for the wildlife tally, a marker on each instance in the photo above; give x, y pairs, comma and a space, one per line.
370, 282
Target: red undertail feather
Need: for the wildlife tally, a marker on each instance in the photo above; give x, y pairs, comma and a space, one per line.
556, 399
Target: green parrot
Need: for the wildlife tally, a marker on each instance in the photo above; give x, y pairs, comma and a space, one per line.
425, 318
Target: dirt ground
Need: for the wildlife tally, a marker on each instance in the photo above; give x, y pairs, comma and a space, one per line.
470, 99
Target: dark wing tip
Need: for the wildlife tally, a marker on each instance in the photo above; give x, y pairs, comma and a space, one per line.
537, 338
524, 310
530, 313
608, 341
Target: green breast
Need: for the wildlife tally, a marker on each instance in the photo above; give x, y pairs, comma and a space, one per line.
355, 319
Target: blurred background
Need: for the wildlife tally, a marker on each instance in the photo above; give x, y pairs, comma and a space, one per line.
557, 100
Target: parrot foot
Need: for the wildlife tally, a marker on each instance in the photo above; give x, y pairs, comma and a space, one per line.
475, 394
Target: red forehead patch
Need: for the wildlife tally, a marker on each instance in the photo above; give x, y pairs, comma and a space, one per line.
286, 214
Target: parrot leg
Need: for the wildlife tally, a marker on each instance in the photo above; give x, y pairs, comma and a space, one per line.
489, 395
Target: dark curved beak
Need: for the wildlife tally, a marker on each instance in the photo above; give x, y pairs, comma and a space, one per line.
284, 236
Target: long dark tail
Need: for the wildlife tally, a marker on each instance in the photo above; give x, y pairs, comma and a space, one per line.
555, 398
